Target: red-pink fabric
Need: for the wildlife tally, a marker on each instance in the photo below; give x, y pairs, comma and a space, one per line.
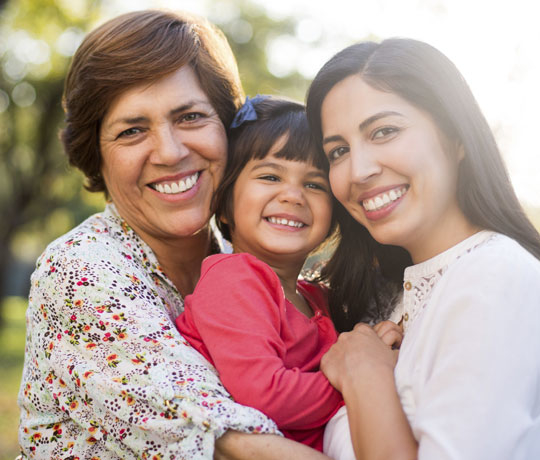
267, 353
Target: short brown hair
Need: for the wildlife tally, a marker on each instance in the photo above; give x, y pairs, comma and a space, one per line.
135, 48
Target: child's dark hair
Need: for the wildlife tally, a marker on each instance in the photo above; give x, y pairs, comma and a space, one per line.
276, 117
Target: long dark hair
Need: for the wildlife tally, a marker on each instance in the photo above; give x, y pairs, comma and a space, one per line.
427, 79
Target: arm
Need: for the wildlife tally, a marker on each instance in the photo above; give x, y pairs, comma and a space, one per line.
237, 312
241, 446
119, 371
361, 366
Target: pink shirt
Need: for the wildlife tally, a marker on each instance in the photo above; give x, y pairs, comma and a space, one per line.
267, 353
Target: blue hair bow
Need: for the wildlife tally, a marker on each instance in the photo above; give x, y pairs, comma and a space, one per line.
247, 111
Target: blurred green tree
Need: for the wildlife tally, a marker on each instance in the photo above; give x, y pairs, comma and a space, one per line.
39, 196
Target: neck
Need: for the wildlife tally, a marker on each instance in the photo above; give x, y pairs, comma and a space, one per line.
181, 258
448, 233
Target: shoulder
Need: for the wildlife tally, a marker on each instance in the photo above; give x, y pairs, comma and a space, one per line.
316, 293
94, 246
498, 281
499, 260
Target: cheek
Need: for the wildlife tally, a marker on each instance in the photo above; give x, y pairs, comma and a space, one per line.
339, 182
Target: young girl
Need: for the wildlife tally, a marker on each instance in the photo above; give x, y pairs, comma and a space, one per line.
414, 163
264, 330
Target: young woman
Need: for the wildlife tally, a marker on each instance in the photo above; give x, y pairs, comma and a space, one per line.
414, 163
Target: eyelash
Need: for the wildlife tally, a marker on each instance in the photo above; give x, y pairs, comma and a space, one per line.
129, 132
197, 115
313, 185
385, 131
339, 151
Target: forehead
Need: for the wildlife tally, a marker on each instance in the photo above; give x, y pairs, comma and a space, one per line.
166, 93
274, 160
354, 97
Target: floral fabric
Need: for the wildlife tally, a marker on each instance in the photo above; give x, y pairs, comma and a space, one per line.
106, 373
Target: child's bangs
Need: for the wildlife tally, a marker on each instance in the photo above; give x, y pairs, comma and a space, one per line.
299, 144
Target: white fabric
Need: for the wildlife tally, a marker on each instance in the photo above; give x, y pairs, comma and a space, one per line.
337, 442
468, 372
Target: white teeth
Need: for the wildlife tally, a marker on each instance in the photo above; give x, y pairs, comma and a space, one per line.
177, 187
382, 200
282, 221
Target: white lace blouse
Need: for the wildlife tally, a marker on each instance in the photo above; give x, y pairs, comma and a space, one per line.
468, 373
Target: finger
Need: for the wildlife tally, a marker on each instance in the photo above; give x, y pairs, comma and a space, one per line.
392, 338
362, 327
383, 326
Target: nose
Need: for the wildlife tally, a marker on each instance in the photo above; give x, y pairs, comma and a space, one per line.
169, 146
292, 194
364, 165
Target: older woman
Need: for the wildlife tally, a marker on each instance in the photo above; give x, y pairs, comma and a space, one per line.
106, 375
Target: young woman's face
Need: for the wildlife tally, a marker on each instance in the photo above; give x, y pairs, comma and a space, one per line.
391, 168
282, 209
164, 150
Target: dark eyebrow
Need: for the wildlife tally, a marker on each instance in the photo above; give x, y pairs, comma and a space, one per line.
364, 124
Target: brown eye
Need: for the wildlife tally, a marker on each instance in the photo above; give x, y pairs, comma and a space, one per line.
337, 153
386, 131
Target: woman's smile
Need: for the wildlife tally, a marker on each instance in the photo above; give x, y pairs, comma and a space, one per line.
379, 201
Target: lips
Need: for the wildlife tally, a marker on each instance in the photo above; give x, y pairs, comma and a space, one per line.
384, 199
178, 186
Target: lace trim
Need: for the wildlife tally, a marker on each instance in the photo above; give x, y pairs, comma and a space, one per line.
421, 279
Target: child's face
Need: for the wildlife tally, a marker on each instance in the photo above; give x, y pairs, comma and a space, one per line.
282, 209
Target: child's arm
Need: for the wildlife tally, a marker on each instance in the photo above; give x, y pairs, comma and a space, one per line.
237, 313
361, 366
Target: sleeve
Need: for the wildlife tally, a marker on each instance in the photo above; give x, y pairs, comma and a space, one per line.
119, 368
480, 397
237, 312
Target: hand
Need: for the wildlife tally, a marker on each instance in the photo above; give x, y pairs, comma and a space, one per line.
360, 356
390, 333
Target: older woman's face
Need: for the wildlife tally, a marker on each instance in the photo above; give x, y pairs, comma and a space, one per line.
164, 150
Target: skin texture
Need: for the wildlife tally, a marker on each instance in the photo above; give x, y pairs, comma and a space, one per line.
163, 133
240, 446
377, 142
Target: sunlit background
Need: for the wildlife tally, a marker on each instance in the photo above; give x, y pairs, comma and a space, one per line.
280, 45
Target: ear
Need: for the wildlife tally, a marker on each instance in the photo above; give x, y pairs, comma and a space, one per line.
223, 219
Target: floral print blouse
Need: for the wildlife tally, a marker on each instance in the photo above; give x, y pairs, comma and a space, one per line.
106, 374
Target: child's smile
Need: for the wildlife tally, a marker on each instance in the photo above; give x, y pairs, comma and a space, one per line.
282, 208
